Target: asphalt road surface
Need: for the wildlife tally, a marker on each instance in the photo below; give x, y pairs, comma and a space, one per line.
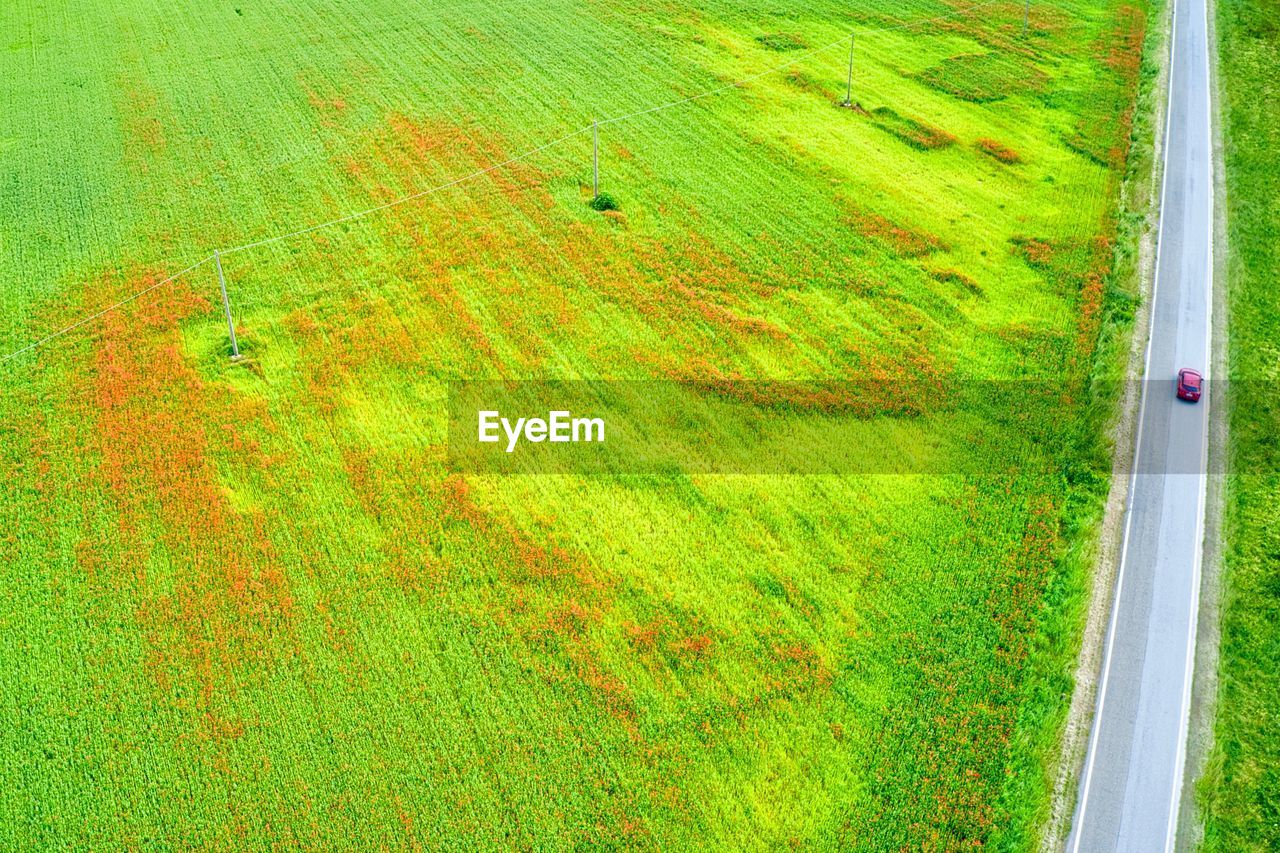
1133, 774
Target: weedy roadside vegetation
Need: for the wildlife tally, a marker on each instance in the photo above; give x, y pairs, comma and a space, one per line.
1240, 792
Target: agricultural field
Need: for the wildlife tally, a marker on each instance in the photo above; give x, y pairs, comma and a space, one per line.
1240, 793
252, 603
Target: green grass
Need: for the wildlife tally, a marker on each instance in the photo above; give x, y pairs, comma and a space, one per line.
782, 42
251, 604
983, 77
1241, 789
915, 133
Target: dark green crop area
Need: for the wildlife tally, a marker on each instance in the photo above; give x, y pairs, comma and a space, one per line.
1241, 789
252, 605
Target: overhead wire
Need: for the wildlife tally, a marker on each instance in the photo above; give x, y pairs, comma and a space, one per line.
471, 176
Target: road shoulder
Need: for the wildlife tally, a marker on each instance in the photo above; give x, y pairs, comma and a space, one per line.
1142, 195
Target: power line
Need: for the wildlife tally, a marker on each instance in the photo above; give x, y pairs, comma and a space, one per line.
737, 84
395, 203
113, 307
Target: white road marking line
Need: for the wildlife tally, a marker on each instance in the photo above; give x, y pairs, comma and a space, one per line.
1083, 808
1189, 673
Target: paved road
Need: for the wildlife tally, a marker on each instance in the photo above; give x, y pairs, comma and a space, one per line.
1132, 779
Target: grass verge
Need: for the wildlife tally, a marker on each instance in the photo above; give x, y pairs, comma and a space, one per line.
1240, 791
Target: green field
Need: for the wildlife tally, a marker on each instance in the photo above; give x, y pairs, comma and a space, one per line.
1241, 789
251, 604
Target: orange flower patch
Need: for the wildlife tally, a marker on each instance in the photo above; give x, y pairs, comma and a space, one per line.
209, 591
997, 151
491, 273
939, 775
1102, 133
141, 117
1079, 269
903, 241
908, 386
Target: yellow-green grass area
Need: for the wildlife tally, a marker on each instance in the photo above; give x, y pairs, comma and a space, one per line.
1240, 791
252, 604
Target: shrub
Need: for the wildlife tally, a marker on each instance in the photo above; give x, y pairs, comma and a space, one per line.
915, 133
782, 41
603, 202
807, 83
958, 278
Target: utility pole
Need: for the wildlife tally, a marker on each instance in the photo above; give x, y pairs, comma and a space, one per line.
595, 159
1026, 14
226, 306
848, 88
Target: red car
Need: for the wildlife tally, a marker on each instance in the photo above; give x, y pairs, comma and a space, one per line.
1189, 384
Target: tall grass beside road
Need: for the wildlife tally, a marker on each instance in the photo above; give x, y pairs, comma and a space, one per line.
1241, 789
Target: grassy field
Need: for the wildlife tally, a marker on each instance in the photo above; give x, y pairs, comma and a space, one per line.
1241, 789
252, 604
